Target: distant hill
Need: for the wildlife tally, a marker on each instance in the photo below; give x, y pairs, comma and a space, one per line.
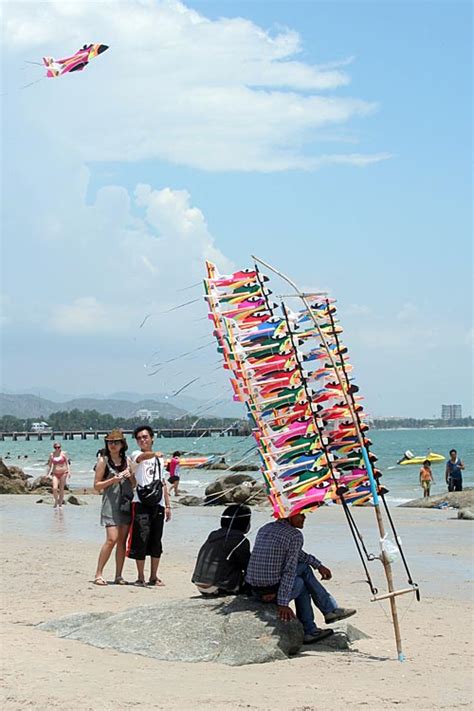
32, 406
46, 398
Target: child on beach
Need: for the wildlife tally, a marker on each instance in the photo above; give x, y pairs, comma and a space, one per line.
173, 469
426, 478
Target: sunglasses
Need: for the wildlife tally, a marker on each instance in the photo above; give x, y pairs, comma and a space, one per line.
56, 446
115, 441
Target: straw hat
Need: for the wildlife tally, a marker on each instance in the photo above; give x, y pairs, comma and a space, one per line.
114, 435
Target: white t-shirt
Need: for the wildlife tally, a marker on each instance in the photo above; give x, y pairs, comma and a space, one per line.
144, 472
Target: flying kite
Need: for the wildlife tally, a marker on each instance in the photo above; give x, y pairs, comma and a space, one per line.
76, 63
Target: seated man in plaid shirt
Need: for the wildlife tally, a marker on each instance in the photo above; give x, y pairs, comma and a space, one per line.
280, 571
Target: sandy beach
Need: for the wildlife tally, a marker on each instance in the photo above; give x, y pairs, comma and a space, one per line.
47, 573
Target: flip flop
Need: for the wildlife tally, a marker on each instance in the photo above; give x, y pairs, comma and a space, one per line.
156, 583
100, 581
140, 584
120, 581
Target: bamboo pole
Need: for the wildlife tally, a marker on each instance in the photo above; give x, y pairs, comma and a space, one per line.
377, 598
373, 486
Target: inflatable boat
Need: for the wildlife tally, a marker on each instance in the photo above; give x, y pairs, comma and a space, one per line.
409, 458
196, 462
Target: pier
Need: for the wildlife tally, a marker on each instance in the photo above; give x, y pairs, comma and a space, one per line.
235, 431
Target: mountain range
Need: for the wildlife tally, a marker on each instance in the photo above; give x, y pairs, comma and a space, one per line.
32, 406
119, 404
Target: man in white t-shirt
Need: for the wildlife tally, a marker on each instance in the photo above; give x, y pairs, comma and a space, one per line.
147, 520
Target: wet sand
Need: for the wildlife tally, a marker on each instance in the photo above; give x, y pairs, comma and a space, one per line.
48, 560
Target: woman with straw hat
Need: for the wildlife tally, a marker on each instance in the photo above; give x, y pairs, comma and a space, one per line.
115, 481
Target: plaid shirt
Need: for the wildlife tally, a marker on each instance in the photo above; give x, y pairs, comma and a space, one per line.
277, 551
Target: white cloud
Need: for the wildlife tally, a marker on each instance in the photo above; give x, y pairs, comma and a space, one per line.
408, 313
219, 94
138, 263
83, 315
358, 310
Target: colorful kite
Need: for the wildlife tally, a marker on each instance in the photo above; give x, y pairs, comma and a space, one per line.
291, 370
76, 63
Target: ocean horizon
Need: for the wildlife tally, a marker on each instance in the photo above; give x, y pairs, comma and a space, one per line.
388, 446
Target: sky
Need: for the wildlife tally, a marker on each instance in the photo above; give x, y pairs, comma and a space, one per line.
332, 139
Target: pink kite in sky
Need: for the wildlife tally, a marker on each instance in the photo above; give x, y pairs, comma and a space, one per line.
76, 63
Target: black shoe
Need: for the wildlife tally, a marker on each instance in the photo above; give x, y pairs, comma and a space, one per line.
317, 636
340, 613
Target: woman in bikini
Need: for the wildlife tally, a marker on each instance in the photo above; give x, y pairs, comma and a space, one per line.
115, 481
59, 472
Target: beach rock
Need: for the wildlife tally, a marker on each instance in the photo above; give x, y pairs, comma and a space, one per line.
48, 500
344, 636
191, 500
12, 486
13, 480
228, 630
42, 482
76, 501
454, 499
466, 514
234, 488
66, 625
244, 468
13, 472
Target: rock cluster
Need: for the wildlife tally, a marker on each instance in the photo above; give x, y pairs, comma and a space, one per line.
222, 466
454, 499
42, 484
235, 488
466, 514
13, 480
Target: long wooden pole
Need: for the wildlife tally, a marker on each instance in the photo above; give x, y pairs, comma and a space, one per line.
373, 485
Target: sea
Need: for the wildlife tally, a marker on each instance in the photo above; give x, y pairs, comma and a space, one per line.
389, 446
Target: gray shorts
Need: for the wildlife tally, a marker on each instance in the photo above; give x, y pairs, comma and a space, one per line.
119, 519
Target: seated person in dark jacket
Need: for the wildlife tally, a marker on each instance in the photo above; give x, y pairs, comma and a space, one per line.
222, 561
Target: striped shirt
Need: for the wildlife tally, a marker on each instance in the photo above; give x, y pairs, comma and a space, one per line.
277, 551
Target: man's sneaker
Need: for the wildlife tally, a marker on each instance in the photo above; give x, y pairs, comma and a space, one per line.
317, 636
340, 613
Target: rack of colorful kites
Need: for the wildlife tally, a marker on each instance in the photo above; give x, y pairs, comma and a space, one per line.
292, 372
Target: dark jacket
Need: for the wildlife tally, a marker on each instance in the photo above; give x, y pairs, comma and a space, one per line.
212, 566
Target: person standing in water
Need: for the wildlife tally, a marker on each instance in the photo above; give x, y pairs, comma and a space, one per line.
59, 472
426, 478
454, 467
173, 469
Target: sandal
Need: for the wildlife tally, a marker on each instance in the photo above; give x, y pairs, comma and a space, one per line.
140, 584
156, 582
100, 581
120, 581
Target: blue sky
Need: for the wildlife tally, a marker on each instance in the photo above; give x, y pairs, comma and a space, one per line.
332, 139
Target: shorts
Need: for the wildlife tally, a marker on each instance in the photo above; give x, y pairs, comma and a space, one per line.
426, 485
173, 479
455, 483
146, 531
